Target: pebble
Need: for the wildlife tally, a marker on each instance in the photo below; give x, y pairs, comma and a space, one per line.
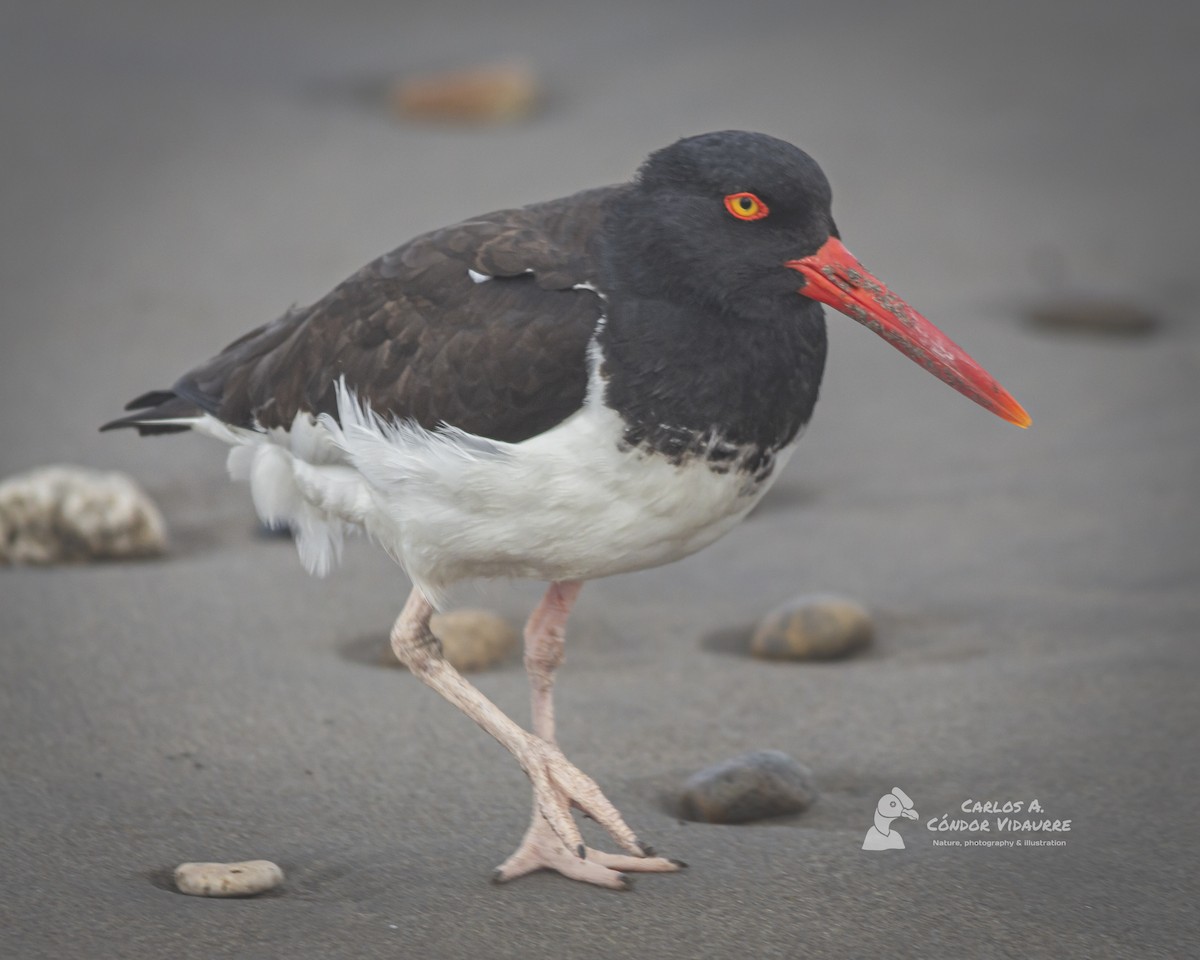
1093, 316
473, 639
243, 879
752, 786
814, 627
488, 94
65, 514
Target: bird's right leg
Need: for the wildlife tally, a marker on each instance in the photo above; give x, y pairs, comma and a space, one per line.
541, 848
557, 783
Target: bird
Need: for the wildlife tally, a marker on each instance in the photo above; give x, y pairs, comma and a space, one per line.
577, 388
891, 806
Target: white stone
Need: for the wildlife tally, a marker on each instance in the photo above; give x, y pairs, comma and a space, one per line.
65, 514
242, 879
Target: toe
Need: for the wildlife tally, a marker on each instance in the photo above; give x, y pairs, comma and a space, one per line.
619, 861
588, 871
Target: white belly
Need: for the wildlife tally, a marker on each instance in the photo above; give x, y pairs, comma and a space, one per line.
571, 503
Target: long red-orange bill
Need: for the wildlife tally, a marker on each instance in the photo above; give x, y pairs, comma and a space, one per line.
833, 276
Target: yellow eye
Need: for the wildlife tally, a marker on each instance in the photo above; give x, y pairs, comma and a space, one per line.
746, 206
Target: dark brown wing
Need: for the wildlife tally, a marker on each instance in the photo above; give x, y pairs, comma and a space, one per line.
417, 337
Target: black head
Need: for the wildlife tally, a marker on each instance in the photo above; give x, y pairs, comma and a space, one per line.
713, 220
736, 224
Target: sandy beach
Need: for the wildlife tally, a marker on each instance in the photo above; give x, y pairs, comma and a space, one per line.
175, 175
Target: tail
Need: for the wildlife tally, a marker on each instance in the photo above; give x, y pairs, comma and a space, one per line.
162, 411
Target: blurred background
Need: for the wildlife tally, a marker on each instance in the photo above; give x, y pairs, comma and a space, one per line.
1022, 173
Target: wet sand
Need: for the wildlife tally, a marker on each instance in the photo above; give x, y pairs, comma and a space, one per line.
176, 176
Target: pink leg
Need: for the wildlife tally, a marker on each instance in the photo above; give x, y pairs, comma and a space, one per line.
557, 783
542, 847
545, 640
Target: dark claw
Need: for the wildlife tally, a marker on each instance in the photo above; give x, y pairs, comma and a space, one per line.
581, 852
679, 863
627, 880
497, 876
647, 850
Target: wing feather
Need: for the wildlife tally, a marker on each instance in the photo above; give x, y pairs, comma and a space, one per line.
417, 338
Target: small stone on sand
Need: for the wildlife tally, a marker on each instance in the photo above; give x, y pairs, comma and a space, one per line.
243, 879
473, 639
65, 514
812, 628
483, 95
752, 786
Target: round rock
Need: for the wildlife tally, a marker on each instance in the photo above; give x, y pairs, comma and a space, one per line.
812, 628
752, 786
243, 879
473, 639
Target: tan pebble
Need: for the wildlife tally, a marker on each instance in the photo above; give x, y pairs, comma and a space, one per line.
473, 639
242, 879
485, 94
812, 628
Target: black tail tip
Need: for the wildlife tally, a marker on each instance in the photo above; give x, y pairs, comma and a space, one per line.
152, 398
156, 406
144, 428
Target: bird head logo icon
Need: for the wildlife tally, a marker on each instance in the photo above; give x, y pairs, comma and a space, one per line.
892, 806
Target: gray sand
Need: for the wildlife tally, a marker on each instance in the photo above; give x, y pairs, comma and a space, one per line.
173, 176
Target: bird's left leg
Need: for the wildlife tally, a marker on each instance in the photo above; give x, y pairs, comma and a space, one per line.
541, 847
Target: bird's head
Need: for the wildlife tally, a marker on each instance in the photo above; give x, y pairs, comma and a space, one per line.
741, 222
896, 804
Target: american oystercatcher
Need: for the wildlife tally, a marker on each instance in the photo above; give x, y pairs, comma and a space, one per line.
582, 387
